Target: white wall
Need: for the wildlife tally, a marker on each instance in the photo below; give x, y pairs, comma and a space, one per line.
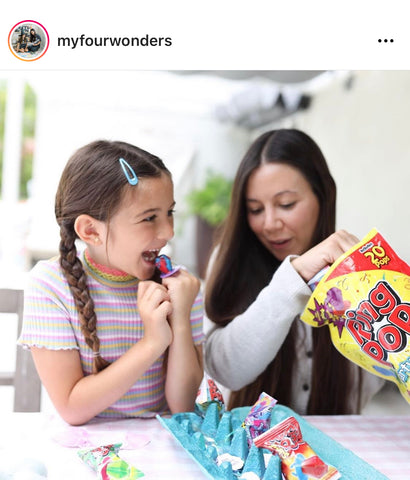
364, 134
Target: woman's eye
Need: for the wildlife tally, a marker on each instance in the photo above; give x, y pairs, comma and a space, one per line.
150, 219
254, 211
287, 206
171, 213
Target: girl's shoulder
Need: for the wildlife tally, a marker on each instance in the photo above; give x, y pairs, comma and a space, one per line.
51, 267
46, 267
46, 282
47, 272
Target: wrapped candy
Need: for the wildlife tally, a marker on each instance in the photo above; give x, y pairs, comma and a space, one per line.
364, 298
109, 466
164, 265
299, 460
209, 393
258, 419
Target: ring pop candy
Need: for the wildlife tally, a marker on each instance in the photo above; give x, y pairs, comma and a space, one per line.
164, 265
299, 460
364, 298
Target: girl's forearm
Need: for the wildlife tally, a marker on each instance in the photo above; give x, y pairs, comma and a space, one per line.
184, 372
94, 393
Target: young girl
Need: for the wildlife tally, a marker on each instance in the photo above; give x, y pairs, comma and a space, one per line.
107, 339
22, 43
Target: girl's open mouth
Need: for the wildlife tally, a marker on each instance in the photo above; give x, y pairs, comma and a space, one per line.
150, 255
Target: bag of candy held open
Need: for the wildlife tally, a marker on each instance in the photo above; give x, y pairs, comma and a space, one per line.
364, 298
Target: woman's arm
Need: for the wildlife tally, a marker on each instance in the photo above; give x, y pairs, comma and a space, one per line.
237, 353
185, 359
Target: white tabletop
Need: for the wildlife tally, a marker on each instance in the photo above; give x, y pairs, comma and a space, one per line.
146, 445
381, 441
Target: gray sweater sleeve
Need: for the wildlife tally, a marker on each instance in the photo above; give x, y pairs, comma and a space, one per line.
237, 353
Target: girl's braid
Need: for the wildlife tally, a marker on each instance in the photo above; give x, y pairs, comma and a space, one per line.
77, 281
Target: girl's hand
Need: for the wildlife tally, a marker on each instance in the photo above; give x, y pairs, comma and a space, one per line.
155, 306
324, 253
183, 287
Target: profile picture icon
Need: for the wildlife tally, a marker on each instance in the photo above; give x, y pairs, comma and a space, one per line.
28, 40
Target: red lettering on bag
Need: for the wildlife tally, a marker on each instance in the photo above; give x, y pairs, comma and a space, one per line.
374, 350
383, 298
400, 316
367, 312
391, 338
358, 329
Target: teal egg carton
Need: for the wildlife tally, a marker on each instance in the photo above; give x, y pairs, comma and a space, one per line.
214, 435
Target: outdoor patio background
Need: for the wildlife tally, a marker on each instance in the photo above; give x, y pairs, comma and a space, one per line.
195, 122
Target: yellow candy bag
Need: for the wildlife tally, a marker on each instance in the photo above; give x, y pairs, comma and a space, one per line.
364, 298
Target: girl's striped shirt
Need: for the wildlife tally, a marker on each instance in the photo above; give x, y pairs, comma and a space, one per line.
51, 321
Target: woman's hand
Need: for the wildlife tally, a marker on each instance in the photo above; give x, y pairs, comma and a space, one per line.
155, 307
324, 253
183, 287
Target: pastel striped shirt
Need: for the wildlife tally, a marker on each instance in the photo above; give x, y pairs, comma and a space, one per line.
51, 321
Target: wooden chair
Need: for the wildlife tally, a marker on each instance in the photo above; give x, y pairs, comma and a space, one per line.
26, 382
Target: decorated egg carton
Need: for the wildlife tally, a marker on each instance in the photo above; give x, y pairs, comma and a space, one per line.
218, 443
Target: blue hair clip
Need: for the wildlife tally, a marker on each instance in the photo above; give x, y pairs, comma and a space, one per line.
128, 172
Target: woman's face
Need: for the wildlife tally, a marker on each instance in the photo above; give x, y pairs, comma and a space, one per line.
282, 209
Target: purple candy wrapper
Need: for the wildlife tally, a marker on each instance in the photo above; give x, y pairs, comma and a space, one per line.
258, 419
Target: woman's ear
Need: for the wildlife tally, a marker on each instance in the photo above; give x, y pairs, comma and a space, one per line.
88, 229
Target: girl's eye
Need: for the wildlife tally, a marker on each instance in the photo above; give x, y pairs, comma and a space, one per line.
150, 219
171, 213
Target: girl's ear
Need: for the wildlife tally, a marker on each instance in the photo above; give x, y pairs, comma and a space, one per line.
88, 229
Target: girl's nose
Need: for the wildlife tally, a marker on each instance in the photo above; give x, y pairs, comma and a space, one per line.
166, 229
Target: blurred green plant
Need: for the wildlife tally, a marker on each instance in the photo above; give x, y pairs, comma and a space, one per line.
211, 202
27, 148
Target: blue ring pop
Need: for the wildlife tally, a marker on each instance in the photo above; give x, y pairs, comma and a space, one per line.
164, 265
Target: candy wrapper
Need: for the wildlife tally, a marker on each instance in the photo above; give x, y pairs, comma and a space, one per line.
109, 466
209, 393
364, 298
299, 460
164, 265
258, 419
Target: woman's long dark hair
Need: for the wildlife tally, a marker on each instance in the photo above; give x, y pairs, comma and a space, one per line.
241, 257
94, 183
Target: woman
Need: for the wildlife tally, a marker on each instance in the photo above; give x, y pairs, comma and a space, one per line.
279, 233
34, 41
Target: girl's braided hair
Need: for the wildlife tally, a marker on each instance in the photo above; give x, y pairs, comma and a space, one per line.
94, 183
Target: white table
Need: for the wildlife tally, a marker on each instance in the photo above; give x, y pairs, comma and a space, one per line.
381, 441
